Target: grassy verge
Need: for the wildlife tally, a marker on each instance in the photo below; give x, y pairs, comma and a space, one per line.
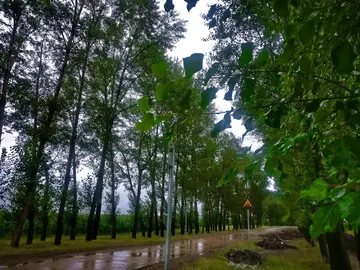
80, 245
304, 258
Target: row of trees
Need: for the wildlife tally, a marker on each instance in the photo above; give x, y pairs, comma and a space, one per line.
72, 73
294, 69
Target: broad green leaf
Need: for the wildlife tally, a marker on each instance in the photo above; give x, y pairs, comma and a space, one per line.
191, 4
325, 219
343, 57
161, 118
221, 125
305, 64
271, 167
211, 11
231, 83
353, 104
185, 101
312, 106
272, 118
228, 177
228, 95
162, 91
211, 72
146, 123
246, 54
353, 144
262, 58
193, 64
349, 208
281, 8
207, 96
315, 87
144, 104
159, 69
253, 168
248, 90
318, 191
306, 33
339, 105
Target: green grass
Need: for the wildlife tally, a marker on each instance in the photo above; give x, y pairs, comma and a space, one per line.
104, 241
305, 258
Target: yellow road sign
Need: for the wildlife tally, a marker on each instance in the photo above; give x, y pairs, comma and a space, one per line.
247, 204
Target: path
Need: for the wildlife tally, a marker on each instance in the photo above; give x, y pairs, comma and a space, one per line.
136, 257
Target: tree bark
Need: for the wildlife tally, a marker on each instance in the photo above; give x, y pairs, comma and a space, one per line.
137, 207
162, 224
31, 185
323, 247
357, 241
113, 187
45, 217
339, 259
75, 208
31, 219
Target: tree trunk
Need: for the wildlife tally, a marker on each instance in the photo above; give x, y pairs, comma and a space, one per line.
182, 214
73, 139
173, 222
196, 213
156, 221
357, 241
97, 195
339, 258
137, 208
113, 188
45, 217
31, 218
75, 208
30, 187
323, 247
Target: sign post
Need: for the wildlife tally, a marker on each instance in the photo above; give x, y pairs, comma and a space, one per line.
248, 205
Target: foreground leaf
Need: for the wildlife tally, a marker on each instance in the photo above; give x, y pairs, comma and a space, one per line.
246, 54
207, 96
159, 69
162, 91
343, 57
221, 125
193, 64
144, 104
318, 191
325, 219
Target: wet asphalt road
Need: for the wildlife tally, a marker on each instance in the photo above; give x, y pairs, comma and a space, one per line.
136, 258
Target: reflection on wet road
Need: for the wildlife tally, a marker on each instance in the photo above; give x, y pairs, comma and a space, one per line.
136, 257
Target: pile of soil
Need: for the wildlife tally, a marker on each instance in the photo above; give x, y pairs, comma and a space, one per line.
277, 240
245, 256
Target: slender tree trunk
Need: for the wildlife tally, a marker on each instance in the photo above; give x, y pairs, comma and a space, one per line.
162, 224
75, 208
182, 214
156, 221
98, 194
113, 188
137, 208
339, 259
30, 187
220, 217
31, 218
71, 153
224, 219
357, 241
45, 217
196, 213
173, 222
324, 248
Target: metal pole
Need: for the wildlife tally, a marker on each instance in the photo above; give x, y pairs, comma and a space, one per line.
169, 207
248, 221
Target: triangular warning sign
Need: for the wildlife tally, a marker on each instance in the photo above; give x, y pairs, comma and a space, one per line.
247, 204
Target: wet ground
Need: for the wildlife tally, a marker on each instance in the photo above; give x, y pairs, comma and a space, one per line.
140, 257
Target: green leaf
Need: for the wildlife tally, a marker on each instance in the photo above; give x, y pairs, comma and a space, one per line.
193, 64
246, 53
228, 177
318, 191
185, 101
146, 123
222, 125
281, 8
253, 168
207, 96
349, 206
312, 106
343, 57
159, 69
272, 118
262, 58
305, 64
339, 105
162, 91
191, 4
144, 104
306, 33
211, 11
325, 219
315, 87
248, 90
271, 167
211, 72
161, 118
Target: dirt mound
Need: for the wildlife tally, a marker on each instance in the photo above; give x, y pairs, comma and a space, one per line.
245, 256
277, 240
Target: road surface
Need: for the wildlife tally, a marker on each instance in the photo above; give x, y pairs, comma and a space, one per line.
140, 257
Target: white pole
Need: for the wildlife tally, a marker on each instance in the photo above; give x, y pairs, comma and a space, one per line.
169, 207
248, 222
